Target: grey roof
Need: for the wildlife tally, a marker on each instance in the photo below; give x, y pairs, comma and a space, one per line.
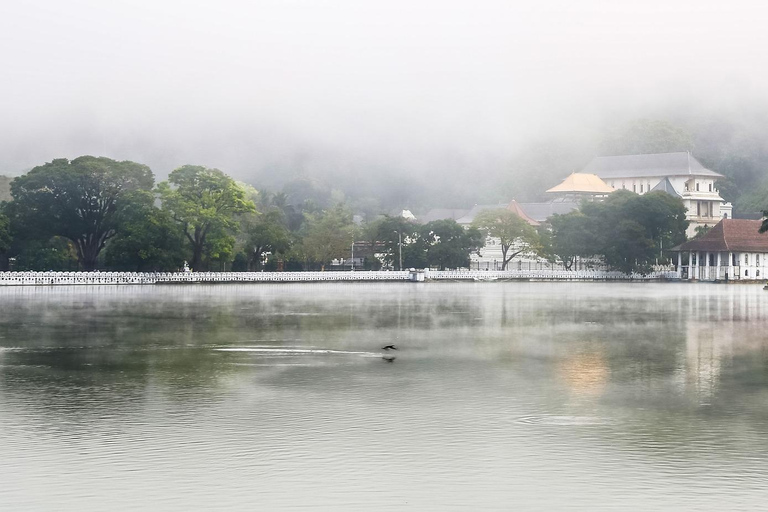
653, 165
471, 214
666, 186
539, 212
542, 211
440, 214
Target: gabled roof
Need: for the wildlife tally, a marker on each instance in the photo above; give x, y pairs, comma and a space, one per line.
646, 166
515, 208
581, 183
666, 186
735, 235
471, 214
542, 211
441, 213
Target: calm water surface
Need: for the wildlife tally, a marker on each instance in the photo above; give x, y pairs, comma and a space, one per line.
503, 396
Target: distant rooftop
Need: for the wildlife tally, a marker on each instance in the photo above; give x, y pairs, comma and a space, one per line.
652, 165
666, 186
581, 183
739, 235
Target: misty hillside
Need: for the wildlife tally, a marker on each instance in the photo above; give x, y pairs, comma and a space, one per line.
5, 188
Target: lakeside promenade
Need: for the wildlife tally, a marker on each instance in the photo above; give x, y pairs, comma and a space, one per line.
159, 278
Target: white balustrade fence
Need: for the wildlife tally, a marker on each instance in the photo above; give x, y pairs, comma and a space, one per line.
114, 278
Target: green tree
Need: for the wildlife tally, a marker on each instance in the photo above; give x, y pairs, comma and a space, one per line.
205, 202
448, 245
511, 230
77, 200
629, 231
148, 239
5, 238
264, 233
572, 236
397, 235
327, 235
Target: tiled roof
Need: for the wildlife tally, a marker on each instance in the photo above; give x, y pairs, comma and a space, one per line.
542, 211
666, 186
581, 183
440, 214
642, 166
733, 235
515, 208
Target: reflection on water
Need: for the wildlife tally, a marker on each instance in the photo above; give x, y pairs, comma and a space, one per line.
537, 396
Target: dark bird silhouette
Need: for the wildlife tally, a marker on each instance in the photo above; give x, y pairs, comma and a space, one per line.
389, 347
389, 359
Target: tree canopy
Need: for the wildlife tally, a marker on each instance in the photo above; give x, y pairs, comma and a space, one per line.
510, 229
328, 235
629, 231
448, 244
148, 239
205, 202
77, 200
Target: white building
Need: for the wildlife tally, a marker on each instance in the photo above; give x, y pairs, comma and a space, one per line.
679, 174
733, 250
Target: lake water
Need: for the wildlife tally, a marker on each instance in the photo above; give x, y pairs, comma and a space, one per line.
502, 396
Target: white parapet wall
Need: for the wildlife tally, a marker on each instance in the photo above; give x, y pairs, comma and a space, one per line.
115, 278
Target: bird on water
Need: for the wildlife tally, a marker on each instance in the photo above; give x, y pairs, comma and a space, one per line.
389, 347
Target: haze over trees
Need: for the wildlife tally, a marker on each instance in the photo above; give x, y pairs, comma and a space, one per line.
76, 200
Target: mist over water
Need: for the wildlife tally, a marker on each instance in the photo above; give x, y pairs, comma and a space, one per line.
539, 396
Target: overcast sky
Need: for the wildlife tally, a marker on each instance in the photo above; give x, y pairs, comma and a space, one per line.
251, 87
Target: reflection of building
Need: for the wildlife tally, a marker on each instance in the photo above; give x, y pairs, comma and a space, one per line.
678, 174
585, 373
733, 249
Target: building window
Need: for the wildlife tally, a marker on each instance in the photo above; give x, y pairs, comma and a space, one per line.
634, 188
698, 209
757, 260
641, 188
746, 273
757, 274
725, 215
734, 262
697, 187
746, 259
710, 187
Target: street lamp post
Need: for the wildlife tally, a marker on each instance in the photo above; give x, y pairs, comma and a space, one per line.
353, 255
400, 248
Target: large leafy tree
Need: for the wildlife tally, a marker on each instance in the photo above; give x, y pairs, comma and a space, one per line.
5, 238
628, 230
328, 235
573, 235
264, 233
511, 230
206, 203
448, 244
77, 200
397, 235
148, 239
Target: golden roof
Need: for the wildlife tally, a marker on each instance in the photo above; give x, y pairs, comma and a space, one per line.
582, 184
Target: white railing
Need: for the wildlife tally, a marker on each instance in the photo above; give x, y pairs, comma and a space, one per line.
554, 275
115, 278
112, 278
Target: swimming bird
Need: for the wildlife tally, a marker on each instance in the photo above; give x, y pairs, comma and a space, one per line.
389, 347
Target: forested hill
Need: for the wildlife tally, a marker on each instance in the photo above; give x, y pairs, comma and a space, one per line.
5, 188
